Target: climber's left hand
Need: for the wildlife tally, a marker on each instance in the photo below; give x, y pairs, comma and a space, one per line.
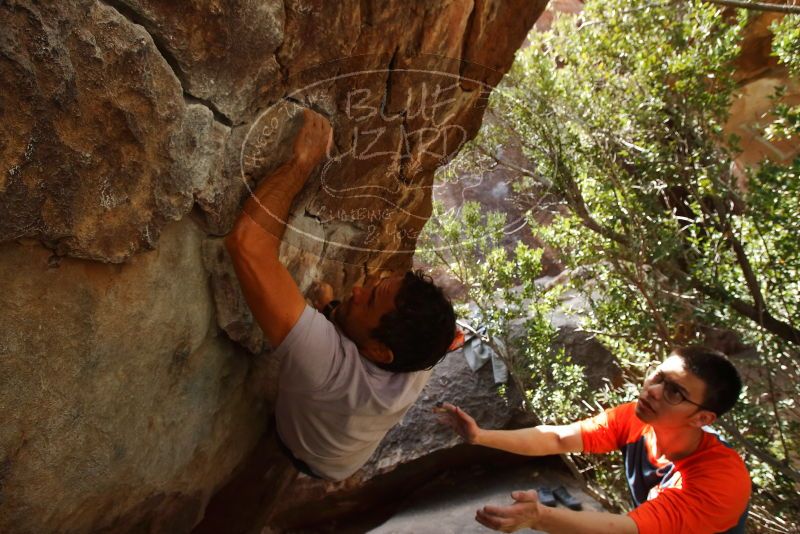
320, 293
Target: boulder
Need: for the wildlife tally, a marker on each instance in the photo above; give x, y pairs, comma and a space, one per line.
224, 53
131, 133
122, 406
233, 316
99, 149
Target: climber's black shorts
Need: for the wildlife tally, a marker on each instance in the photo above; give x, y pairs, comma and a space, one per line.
299, 464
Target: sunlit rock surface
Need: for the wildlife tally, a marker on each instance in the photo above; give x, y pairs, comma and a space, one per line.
759, 75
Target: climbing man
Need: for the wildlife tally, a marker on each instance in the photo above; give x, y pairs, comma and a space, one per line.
343, 382
682, 477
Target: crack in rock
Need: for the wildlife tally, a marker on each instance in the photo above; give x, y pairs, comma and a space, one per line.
137, 19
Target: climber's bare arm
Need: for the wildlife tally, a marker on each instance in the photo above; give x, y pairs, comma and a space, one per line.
268, 288
270, 291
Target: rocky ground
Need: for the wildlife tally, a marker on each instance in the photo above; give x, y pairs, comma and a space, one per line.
448, 504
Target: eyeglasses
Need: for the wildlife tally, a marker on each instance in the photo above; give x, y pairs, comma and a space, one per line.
672, 392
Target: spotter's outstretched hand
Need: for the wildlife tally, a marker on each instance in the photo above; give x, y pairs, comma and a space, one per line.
524, 513
459, 420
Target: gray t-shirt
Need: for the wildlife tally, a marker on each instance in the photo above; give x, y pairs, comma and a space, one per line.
334, 406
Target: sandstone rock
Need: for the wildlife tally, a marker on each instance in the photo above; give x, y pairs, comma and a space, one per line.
125, 406
120, 403
756, 59
555, 8
389, 78
223, 52
492, 35
420, 433
198, 163
749, 115
759, 74
233, 315
95, 151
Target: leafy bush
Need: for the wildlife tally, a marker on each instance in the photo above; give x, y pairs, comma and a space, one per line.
619, 117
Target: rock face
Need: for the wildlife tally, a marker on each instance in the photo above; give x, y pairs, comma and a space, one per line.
131, 132
759, 74
122, 404
124, 115
95, 132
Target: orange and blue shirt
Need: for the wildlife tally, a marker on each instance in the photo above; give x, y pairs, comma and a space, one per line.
705, 492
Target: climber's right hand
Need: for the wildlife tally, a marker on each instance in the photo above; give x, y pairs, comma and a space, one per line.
313, 141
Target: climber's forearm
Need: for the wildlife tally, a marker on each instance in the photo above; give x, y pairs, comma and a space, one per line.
253, 244
268, 288
268, 208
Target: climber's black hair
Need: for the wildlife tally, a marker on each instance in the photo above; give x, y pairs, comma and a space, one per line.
421, 328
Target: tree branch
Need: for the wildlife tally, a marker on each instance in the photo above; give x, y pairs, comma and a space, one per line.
756, 451
574, 197
763, 319
759, 315
741, 257
635, 279
509, 164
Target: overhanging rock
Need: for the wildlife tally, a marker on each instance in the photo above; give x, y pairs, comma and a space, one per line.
124, 127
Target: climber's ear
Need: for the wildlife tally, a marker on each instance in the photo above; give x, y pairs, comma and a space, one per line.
377, 352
